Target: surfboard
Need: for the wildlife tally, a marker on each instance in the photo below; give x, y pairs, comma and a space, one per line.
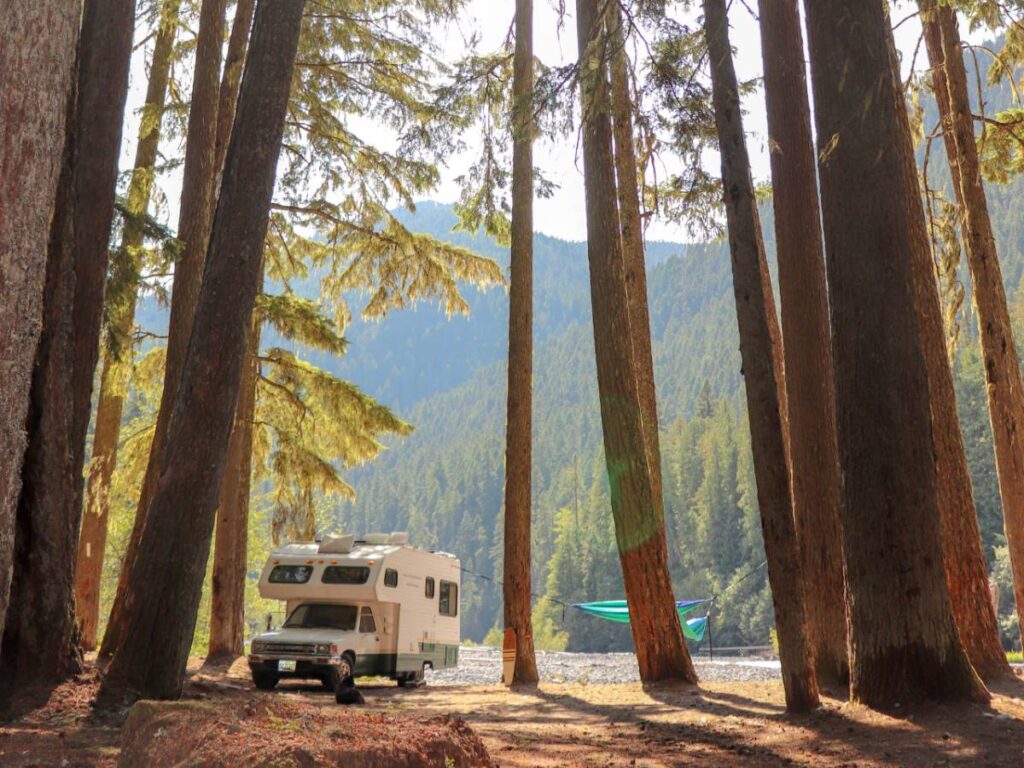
508, 656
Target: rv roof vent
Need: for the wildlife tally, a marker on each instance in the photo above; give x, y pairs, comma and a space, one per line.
376, 538
337, 545
398, 537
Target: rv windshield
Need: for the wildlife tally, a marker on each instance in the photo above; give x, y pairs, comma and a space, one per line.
315, 615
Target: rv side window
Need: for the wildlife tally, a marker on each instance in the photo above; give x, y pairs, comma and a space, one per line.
449, 602
366, 622
290, 574
345, 574
390, 578
428, 590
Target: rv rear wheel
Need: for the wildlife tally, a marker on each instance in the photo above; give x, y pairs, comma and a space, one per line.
265, 681
412, 679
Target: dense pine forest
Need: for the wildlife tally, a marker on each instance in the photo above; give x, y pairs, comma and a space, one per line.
300, 398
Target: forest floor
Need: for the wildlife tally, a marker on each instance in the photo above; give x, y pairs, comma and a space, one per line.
557, 724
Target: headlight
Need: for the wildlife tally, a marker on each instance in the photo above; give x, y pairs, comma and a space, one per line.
323, 648
258, 646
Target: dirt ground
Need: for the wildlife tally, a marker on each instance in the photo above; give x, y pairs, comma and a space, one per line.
720, 724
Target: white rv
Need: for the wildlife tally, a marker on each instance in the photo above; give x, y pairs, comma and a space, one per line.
370, 606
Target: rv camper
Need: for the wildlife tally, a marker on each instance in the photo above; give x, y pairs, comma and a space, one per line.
358, 607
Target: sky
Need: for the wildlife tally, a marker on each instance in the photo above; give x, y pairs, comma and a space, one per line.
563, 214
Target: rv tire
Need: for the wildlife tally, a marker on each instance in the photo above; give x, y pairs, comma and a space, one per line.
265, 681
334, 678
413, 679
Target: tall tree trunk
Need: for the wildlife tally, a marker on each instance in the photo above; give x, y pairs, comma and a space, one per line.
1002, 370
37, 51
230, 81
40, 645
639, 523
963, 559
807, 349
197, 194
167, 576
904, 642
632, 239
110, 402
761, 353
518, 435
230, 550
227, 608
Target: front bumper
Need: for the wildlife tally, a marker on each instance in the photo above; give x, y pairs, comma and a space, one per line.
305, 666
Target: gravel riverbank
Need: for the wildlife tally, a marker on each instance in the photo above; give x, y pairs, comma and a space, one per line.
480, 665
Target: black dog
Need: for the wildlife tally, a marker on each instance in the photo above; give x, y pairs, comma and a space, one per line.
347, 693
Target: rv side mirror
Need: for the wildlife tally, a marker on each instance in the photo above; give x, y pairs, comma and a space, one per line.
270, 621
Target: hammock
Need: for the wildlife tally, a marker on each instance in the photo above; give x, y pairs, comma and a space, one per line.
618, 611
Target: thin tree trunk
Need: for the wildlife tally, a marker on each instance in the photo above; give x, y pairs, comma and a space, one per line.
197, 195
807, 349
230, 81
633, 243
110, 402
167, 576
93, 540
40, 645
639, 523
761, 353
37, 52
227, 608
1002, 369
904, 642
518, 436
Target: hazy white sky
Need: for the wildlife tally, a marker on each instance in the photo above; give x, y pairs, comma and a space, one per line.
563, 214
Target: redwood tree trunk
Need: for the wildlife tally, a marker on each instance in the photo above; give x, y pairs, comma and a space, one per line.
1002, 369
632, 239
760, 350
964, 561
37, 51
639, 523
40, 644
904, 642
807, 349
230, 552
197, 194
110, 402
165, 580
518, 435
231, 79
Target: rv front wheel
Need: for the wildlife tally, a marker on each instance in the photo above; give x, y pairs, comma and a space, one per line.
265, 681
334, 678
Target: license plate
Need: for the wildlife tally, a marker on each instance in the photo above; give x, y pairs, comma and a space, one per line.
286, 666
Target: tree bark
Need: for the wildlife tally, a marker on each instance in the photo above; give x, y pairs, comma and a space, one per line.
40, 645
37, 52
904, 642
231, 79
807, 349
1002, 370
760, 350
196, 212
639, 522
110, 402
227, 608
518, 435
632, 239
165, 580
